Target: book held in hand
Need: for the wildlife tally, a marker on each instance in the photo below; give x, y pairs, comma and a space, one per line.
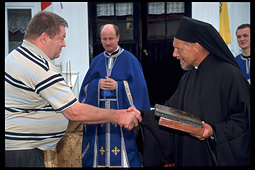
179, 120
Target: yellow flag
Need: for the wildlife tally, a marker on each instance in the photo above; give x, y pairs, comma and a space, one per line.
224, 23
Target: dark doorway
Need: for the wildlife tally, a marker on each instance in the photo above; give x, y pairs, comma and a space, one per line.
146, 30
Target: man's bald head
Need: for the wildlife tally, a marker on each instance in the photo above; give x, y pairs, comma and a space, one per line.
109, 26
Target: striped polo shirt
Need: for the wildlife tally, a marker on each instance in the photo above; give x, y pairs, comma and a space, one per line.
35, 95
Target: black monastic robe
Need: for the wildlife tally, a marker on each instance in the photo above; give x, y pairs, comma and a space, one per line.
218, 93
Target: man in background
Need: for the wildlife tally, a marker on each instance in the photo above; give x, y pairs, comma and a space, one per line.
114, 80
244, 59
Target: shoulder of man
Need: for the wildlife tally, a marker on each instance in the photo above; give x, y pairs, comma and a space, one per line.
130, 55
238, 56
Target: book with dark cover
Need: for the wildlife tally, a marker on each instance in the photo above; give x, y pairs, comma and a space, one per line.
179, 120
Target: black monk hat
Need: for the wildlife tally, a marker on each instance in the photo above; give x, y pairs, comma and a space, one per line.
191, 30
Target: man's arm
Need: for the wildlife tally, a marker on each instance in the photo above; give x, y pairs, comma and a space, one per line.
93, 115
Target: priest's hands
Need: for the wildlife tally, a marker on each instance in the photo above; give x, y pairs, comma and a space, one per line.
207, 132
129, 118
108, 84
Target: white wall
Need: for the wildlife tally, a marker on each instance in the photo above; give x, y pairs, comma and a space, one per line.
239, 13
77, 40
207, 12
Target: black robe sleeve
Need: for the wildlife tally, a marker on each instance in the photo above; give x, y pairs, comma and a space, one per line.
232, 134
157, 141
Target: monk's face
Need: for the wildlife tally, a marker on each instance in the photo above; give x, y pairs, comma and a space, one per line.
184, 52
109, 39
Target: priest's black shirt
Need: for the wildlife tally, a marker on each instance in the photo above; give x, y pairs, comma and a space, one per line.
219, 94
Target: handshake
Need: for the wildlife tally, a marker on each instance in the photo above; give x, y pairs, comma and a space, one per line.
89, 114
128, 118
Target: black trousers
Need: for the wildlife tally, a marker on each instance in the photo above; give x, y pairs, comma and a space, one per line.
24, 158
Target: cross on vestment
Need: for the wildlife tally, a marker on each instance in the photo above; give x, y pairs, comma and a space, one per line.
115, 150
102, 151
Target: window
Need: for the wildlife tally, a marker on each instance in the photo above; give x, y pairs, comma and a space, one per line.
18, 20
120, 14
163, 19
17, 17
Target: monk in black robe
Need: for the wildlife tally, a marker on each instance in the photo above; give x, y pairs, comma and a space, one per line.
212, 88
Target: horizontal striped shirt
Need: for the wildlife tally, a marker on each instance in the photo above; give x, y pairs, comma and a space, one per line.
35, 95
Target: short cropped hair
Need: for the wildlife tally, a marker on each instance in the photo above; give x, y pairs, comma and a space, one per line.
243, 26
44, 21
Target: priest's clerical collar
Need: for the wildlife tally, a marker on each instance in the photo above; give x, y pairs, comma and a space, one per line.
247, 57
111, 54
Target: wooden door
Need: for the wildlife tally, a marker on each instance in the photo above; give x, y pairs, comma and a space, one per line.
146, 30
162, 72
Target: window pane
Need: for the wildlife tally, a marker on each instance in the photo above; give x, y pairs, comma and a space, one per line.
172, 28
126, 30
156, 8
175, 10
105, 12
124, 10
175, 7
156, 30
156, 11
18, 20
105, 9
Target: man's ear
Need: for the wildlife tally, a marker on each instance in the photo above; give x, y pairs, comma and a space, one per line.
197, 47
44, 38
118, 38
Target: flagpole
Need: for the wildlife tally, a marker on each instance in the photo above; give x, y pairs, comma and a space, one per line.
70, 74
67, 73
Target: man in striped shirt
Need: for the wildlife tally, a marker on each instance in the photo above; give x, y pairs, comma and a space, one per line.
38, 102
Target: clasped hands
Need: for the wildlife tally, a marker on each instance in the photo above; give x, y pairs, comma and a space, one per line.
130, 118
107, 84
